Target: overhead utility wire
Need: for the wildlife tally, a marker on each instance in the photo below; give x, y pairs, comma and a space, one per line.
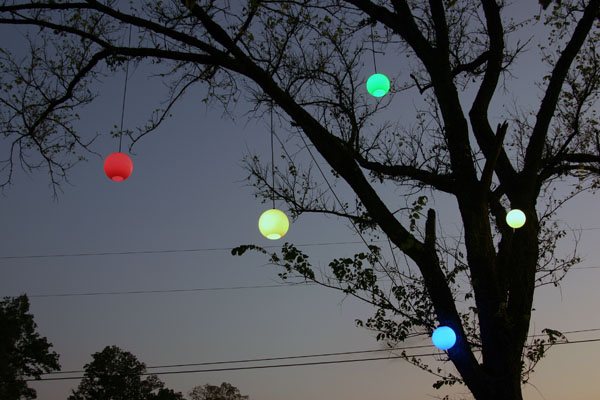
133, 252
205, 289
570, 332
198, 250
191, 290
343, 353
285, 365
246, 368
250, 360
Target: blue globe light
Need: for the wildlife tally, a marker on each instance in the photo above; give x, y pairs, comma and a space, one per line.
443, 338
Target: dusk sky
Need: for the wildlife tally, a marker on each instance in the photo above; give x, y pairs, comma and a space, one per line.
188, 191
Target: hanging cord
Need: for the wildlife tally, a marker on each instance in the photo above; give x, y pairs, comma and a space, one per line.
124, 94
272, 159
373, 49
356, 228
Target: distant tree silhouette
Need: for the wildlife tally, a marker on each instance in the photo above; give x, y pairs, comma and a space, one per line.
23, 352
210, 392
115, 374
167, 394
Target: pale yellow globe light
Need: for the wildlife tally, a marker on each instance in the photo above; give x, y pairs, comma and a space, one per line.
515, 218
273, 224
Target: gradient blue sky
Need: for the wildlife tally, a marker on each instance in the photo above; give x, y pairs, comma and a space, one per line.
188, 191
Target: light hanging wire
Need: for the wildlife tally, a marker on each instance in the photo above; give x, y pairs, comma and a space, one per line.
118, 166
273, 223
272, 159
124, 93
378, 85
373, 49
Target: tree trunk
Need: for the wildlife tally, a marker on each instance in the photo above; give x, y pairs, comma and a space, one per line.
496, 388
503, 284
506, 388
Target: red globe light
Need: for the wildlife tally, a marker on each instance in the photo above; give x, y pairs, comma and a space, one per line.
118, 166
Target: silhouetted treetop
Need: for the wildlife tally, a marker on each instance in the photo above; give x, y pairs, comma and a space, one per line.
23, 352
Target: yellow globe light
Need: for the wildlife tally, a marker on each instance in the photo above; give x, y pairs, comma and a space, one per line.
273, 224
515, 218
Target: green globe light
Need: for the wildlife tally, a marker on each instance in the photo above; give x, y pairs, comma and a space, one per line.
273, 224
378, 85
515, 218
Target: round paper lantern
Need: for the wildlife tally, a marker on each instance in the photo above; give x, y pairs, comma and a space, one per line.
118, 166
515, 218
443, 338
273, 224
378, 85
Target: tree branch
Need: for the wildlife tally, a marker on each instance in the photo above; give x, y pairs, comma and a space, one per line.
442, 47
441, 182
459, 69
567, 163
478, 114
533, 155
490, 163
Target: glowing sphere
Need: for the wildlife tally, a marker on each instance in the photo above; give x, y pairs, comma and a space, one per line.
273, 224
378, 85
515, 218
443, 338
118, 166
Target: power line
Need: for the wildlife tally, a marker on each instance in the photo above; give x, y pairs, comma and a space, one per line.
197, 250
192, 290
252, 367
211, 289
289, 364
593, 228
571, 332
579, 341
343, 353
250, 360
164, 251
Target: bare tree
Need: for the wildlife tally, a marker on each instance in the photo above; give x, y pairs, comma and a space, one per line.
305, 61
